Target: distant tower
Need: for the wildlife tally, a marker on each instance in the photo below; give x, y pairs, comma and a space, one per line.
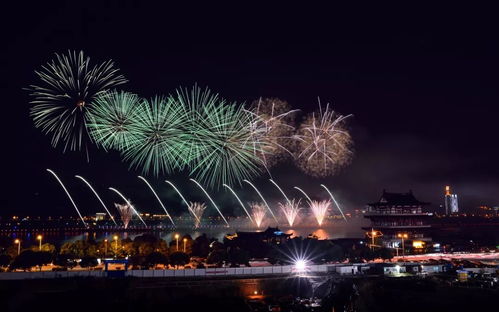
451, 205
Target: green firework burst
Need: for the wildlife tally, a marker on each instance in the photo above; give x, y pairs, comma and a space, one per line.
221, 149
67, 87
111, 119
158, 140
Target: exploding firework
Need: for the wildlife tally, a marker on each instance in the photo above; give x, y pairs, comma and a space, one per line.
158, 139
290, 210
323, 143
126, 213
220, 147
110, 119
68, 86
198, 210
129, 204
273, 128
258, 212
319, 209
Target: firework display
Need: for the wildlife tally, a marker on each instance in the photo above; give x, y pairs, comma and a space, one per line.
273, 126
323, 143
157, 137
220, 138
110, 119
198, 210
126, 213
217, 142
258, 212
319, 209
67, 87
290, 210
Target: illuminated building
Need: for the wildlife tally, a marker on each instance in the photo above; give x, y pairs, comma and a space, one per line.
396, 214
100, 216
451, 205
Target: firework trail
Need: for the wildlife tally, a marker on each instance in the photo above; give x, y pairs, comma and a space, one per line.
126, 213
258, 212
303, 192
263, 199
159, 200
211, 200
286, 197
69, 196
128, 203
290, 210
198, 209
98, 197
183, 199
67, 87
335, 202
323, 143
273, 130
239, 200
111, 119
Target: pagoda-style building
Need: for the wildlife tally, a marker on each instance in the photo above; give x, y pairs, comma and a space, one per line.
397, 217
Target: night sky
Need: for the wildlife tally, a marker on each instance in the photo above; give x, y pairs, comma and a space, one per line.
424, 96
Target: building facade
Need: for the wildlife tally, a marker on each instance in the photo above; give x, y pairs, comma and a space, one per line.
399, 220
451, 205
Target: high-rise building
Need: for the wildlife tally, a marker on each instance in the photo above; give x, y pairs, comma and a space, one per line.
451, 205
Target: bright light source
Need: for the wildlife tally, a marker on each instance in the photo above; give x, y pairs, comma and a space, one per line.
300, 265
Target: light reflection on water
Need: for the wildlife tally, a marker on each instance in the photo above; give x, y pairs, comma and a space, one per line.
333, 230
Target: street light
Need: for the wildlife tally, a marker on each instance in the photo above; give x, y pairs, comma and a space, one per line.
185, 241
39, 238
105, 247
18, 242
373, 234
403, 236
177, 237
115, 237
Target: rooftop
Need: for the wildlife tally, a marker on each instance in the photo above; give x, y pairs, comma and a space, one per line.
394, 199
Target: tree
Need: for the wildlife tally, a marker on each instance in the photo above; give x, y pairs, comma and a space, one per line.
385, 253
26, 260
80, 248
217, 256
5, 260
237, 256
201, 246
335, 253
88, 262
45, 247
155, 258
65, 260
179, 258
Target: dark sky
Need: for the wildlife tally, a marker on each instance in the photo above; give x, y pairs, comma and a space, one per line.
423, 92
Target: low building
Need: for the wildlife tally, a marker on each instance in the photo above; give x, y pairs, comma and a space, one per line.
399, 219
